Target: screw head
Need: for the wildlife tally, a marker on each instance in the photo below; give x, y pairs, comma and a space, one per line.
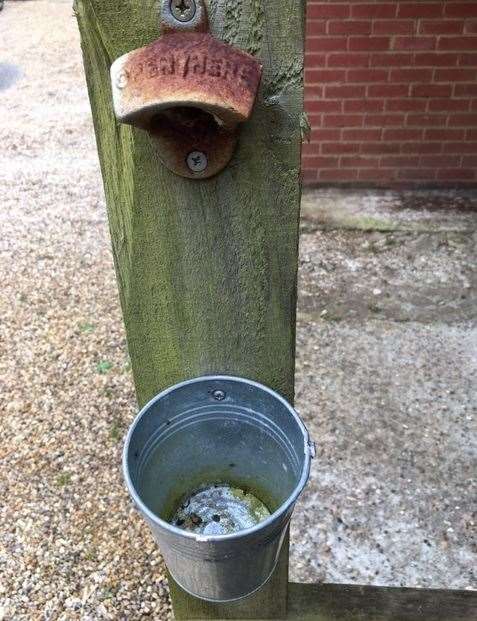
183, 10
197, 161
219, 395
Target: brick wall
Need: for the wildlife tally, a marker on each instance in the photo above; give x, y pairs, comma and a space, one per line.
391, 92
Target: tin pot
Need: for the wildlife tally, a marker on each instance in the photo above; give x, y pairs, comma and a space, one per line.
224, 430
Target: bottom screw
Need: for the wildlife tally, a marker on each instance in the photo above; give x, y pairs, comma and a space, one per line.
219, 395
183, 10
197, 161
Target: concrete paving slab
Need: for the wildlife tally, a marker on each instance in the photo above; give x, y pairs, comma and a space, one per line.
390, 210
387, 382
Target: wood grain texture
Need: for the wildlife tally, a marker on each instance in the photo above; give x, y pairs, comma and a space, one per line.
206, 270
340, 602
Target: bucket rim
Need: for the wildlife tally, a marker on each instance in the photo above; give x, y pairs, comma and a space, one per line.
308, 448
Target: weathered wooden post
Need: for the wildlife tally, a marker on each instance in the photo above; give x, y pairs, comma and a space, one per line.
205, 240
206, 267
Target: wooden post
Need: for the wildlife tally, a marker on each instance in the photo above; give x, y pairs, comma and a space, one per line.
207, 269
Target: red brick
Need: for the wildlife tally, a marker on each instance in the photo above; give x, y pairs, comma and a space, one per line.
313, 91
320, 135
366, 135
338, 174
448, 44
444, 134
367, 75
323, 105
327, 44
461, 147
432, 90
358, 161
417, 174
363, 105
309, 176
414, 43
393, 59
343, 120
461, 9
465, 90
388, 90
398, 161
317, 76
470, 27
376, 175
469, 161
441, 27
380, 148
456, 174
383, 120
368, 44
315, 60
314, 120
397, 26
422, 147
345, 91
420, 9
468, 60
320, 162
340, 147
448, 105
308, 148
455, 75
470, 134
463, 120
406, 105
440, 161
324, 10
402, 134
381, 10
349, 27
411, 75
436, 60
429, 120
315, 27
348, 60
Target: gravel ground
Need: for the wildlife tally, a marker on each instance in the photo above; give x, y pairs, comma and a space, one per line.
387, 363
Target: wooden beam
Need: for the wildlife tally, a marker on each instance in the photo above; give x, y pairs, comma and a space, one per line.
340, 602
206, 270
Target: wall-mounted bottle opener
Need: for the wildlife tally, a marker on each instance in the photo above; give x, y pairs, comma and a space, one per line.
189, 90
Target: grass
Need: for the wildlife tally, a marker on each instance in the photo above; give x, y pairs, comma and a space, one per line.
374, 308
116, 432
63, 479
86, 328
104, 366
90, 555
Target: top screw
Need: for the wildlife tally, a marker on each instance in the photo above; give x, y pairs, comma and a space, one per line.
219, 395
183, 10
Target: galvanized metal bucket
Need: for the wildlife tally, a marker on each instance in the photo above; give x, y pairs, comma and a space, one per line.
221, 429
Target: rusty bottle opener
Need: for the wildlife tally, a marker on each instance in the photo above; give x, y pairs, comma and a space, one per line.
189, 90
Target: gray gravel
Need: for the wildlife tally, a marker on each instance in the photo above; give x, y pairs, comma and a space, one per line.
386, 374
